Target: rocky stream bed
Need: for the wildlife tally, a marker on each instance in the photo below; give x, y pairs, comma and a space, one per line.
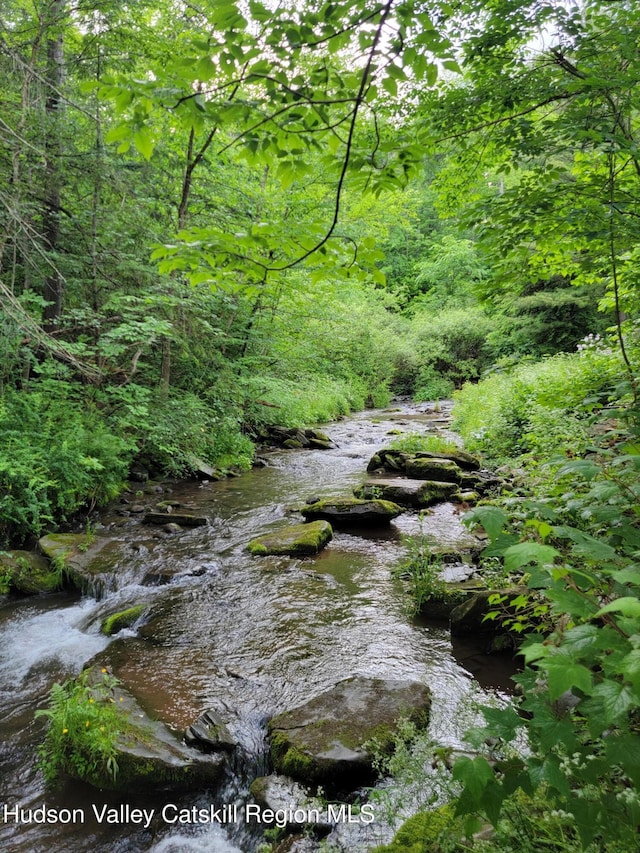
281, 657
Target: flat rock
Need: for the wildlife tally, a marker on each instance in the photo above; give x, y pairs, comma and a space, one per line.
297, 540
148, 756
407, 492
89, 562
326, 740
353, 511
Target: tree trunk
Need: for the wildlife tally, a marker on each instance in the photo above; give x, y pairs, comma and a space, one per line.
54, 282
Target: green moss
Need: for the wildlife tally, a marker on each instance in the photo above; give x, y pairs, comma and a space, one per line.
124, 619
28, 573
423, 833
290, 760
298, 540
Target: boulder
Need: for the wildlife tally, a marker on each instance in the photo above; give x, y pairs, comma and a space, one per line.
328, 739
203, 470
407, 492
292, 438
29, 573
148, 756
298, 540
88, 562
430, 468
390, 459
353, 511
209, 733
293, 801
462, 459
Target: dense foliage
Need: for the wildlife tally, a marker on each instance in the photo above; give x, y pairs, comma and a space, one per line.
221, 216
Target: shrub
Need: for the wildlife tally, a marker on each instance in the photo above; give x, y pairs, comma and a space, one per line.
451, 348
414, 442
307, 400
83, 726
537, 407
56, 456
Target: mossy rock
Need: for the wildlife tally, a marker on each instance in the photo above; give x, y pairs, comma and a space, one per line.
28, 573
298, 540
433, 492
469, 617
148, 756
407, 492
85, 560
423, 832
124, 619
431, 468
353, 511
328, 740
399, 490
400, 461
463, 459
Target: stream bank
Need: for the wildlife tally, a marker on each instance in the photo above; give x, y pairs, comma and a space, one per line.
246, 637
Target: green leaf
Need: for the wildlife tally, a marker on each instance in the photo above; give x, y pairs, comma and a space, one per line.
492, 518
623, 750
586, 545
562, 675
143, 142
473, 774
524, 553
390, 86
609, 702
627, 605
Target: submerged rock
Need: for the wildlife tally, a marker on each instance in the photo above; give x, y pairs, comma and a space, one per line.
353, 511
298, 540
328, 739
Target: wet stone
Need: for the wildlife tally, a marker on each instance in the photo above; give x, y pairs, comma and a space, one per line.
297, 540
353, 511
327, 740
209, 733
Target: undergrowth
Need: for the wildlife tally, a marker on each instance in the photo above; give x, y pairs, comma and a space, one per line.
84, 723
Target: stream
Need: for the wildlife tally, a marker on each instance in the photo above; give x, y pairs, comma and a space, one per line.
247, 636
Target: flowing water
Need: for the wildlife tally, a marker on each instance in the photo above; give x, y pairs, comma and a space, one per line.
247, 636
